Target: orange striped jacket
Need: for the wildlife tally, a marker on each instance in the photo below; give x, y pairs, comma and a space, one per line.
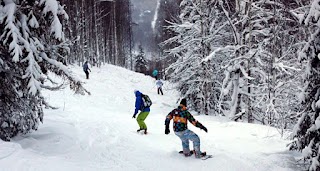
180, 119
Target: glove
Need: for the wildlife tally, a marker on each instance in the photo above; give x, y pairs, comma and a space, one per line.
167, 131
204, 128
134, 116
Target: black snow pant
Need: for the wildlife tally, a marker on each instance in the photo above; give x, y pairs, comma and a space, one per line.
160, 90
87, 74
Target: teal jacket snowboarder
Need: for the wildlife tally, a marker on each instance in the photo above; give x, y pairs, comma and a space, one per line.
155, 74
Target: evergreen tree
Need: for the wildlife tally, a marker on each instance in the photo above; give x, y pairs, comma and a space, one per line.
307, 131
232, 58
261, 71
190, 45
32, 45
141, 63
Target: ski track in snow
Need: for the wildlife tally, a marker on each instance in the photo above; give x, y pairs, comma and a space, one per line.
97, 132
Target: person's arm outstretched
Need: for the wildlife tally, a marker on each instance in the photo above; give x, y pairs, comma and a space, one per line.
195, 122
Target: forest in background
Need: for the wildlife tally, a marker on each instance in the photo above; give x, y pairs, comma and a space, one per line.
255, 61
99, 32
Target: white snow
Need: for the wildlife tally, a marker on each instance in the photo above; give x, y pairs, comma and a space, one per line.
33, 22
317, 122
315, 164
56, 26
8, 12
97, 132
314, 12
318, 103
307, 151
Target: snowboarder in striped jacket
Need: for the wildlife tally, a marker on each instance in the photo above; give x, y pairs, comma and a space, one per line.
180, 117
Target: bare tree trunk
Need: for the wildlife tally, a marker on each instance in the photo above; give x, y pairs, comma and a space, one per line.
248, 12
116, 47
96, 31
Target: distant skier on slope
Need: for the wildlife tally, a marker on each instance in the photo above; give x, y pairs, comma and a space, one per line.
180, 116
155, 74
86, 69
159, 86
143, 105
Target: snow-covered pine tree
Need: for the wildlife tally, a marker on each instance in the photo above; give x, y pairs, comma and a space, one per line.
192, 44
141, 63
279, 63
32, 44
224, 58
248, 66
307, 131
235, 88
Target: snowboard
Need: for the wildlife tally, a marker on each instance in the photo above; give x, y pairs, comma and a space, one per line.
142, 132
207, 156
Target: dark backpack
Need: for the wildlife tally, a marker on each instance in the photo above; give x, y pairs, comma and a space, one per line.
146, 101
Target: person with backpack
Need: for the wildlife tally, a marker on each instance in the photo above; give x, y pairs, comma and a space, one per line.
159, 85
143, 104
86, 69
180, 117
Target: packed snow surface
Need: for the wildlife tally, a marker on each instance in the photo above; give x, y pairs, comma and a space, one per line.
97, 132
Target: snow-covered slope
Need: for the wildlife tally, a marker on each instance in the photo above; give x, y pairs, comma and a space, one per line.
97, 132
